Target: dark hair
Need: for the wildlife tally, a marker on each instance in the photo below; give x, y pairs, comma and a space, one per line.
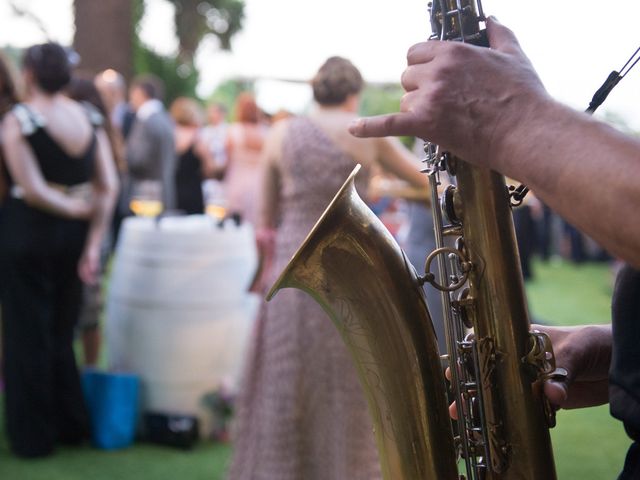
336, 79
151, 85
82, 89
50, 66
8, 93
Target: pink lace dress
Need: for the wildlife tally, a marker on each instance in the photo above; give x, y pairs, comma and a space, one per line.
302, 414
242, 180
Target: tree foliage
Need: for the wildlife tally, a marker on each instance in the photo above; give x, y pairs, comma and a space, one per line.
179, 79
194, 19
227, 92
380, 99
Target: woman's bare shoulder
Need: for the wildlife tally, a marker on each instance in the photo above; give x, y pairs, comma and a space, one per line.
10, 129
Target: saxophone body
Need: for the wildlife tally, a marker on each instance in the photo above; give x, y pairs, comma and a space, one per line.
507, 378
352, 266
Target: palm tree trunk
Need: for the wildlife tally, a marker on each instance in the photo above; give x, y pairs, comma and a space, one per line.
104, 35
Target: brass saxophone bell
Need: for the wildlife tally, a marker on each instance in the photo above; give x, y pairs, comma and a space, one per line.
352, 266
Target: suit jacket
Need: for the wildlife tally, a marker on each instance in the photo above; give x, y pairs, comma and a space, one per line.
150, 153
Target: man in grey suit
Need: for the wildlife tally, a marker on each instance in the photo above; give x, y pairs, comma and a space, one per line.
150, 148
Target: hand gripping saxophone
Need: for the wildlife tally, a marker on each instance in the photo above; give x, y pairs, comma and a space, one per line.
352, 266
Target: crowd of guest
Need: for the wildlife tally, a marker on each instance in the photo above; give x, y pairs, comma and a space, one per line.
77, 151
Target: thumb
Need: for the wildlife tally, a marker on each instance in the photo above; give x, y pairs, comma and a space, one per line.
501, 38
556, 392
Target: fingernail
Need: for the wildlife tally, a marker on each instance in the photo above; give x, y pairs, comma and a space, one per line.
493, 18
355, 125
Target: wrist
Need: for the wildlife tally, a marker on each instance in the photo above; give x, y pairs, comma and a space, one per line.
81, 210
267, 233
525, 142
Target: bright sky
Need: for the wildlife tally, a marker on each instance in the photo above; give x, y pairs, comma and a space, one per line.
573, 44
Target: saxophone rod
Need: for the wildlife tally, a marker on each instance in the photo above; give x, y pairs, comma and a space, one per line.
446, 304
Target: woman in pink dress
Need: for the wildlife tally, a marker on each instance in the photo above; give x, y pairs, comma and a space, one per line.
302, 414
245, 139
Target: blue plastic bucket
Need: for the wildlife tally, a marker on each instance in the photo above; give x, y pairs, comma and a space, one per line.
112, 401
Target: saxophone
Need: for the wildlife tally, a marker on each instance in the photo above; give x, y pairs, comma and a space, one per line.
352, 266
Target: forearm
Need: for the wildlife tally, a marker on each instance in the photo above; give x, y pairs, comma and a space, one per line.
56, 202
271, 179
29, 183
398, 160
268, 203
583, 169
103, 205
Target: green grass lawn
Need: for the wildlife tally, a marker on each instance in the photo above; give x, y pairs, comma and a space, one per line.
588, 444
140, 462
567, 294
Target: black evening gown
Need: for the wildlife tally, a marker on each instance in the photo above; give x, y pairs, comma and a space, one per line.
40, 293
189, 183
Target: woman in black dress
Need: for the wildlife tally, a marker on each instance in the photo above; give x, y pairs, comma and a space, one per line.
195, 162
61, 190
